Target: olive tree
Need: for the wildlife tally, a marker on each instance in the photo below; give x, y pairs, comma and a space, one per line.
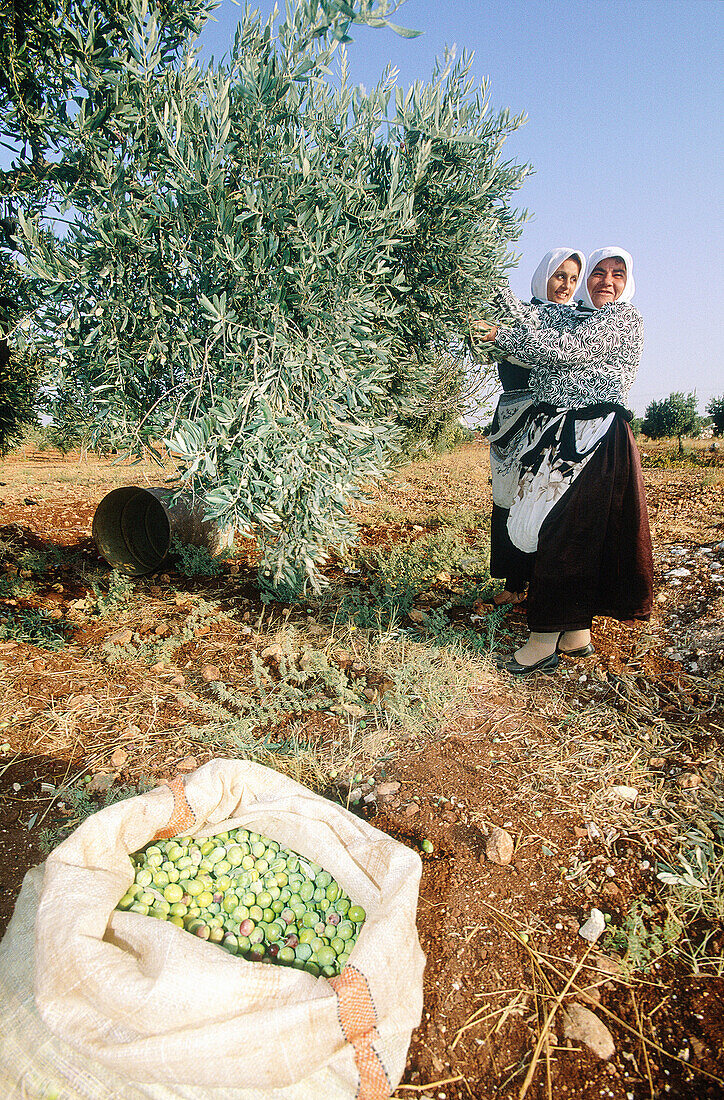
676, 415
56, 56
715, 408
266, 263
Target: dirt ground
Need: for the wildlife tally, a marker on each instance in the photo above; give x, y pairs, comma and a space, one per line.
544, 760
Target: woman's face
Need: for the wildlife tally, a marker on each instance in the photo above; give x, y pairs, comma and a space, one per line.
562, 283
607, 281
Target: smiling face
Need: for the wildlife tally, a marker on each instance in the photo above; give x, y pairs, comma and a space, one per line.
607, 281
563, 281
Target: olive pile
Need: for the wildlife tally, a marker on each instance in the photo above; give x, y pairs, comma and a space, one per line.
251, 896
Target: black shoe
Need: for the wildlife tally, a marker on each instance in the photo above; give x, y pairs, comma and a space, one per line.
584, 651
547, 664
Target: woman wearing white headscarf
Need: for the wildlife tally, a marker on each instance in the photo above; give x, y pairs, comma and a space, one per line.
579, 503
554, 282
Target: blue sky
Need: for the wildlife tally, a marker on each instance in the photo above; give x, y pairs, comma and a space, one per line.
624, 101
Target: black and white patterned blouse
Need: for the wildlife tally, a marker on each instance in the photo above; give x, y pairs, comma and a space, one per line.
576, 358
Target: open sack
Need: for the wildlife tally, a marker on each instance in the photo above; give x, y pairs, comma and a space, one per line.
107, 1005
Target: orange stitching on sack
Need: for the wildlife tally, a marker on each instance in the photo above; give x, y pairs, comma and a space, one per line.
358, 1020
182, 816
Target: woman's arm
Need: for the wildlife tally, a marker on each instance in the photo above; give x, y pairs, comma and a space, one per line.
511, 310
612, 333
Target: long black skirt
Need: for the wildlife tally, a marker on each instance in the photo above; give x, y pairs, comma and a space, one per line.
594, 548
506, 560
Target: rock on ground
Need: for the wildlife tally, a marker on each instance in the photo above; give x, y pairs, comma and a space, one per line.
584, 1026
499, 846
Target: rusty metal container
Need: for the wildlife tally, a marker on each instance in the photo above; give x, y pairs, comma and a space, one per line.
134, 528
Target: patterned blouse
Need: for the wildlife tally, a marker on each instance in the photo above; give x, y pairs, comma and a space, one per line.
577, 358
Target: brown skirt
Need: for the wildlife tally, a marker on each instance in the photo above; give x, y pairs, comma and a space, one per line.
594, 548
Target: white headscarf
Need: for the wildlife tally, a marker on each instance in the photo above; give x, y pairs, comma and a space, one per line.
550, 263
605, 254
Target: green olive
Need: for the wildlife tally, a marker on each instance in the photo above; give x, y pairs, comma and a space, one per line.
248, 894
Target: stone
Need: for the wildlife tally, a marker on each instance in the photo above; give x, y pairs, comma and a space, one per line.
390, 788
411, 809
594, 927
624, 793
590, 994
499, 847
119, 757
605, 963
657, 762
210, 673
352, 709
583, 1026
688, 781
273, 652
100, 783
188, 764
121, 637
415, 615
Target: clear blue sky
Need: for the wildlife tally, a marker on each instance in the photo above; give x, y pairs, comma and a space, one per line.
625, 100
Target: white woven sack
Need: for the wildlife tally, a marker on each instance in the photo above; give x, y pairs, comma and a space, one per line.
107, 1005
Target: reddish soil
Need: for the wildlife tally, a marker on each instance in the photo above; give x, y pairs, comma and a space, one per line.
501, 940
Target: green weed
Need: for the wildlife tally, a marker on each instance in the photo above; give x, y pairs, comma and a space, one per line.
32, 628
116, 595
281, 590
640, 939
155, 650
41, 562
697, 875
194, 561
398, 574
81, 805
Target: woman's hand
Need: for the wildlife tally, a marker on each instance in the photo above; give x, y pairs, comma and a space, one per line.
483, 331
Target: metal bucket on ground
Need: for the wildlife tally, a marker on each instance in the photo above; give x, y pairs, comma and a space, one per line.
134, 528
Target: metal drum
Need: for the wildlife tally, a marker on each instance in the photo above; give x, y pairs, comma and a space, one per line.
134, 528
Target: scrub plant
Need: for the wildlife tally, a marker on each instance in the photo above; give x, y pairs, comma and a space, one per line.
397, 574
32, 628
194, 561
110, 599
640, 939
81, 806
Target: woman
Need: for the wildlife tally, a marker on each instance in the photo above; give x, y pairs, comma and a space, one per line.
579, 503
554, 283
